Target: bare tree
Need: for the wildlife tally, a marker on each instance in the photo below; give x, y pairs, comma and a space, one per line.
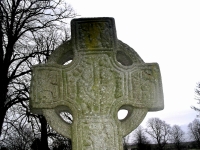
20, 21
197, 97
194, 131
19, 139
46, 43
17, 132
26, 38
140, 139
61, 143
159, 131
125, 142
177, 136
23, 130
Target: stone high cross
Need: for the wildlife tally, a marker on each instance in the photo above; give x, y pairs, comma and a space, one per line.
105, 75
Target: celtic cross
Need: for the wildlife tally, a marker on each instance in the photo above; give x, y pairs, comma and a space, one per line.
105, 75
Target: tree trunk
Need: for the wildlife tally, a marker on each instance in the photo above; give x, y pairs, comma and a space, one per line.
3, 96
44, 137
2, 116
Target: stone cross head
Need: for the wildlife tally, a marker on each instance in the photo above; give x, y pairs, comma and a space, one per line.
105, 75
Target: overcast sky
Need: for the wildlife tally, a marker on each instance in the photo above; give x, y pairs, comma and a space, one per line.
162, 31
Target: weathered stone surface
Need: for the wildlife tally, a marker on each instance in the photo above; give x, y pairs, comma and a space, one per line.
105, 75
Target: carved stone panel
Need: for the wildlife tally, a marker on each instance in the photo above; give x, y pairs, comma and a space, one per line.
98, 134
145, 85
48, 84
95, 84
94, 35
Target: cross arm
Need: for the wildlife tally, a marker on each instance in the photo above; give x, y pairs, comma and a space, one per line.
145, 88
